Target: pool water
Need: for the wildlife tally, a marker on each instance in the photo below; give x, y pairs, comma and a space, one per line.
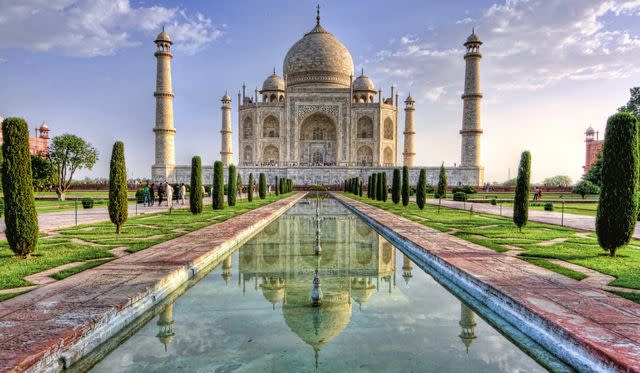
378, 311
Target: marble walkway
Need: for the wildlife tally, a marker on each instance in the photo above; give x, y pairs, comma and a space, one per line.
53, 326
577, 315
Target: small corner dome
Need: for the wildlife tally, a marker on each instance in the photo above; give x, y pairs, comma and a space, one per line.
473, 38
590, 130
163, 36
273, 83
363, 83
226, 97
44, 127
409, 99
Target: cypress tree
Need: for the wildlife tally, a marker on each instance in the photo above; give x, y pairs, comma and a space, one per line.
346, 188
421, 189
232, 190
441, 191
118, 207
405, 186
369, 187
195, 195
523, 185
379, 187
385, 187
250, 188
217, 191
374, 186
276, 186
21, 219
290, 186
617, 210
262, 186
395, 186
283, 185
239, 185
360, 188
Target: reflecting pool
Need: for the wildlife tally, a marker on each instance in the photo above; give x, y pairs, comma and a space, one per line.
376, 310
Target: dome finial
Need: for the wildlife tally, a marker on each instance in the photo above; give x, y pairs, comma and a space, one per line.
274, 70
362, 71
318, 15
473, 30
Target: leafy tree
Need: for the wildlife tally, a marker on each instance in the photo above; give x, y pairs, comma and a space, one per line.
510, 182
523, 186
395, 186
232, 190
374, 186
42, 171
262, 186
195, 194
118, 204
633, 106
250, 188
276, 186
21, 219
406, 188
441, 191
239, 185
217, 192
557, 181
68, 154
421, 189
585, 187
594, 175
618, 207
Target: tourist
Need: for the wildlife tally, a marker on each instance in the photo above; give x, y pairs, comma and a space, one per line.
161, 191
181, 193
152, 194
145, 195
169, 192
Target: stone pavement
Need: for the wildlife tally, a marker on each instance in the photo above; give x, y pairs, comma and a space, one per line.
589, 328
50, 328
586, 223
50, 221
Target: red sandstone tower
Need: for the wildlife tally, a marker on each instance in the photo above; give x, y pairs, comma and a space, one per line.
592, 148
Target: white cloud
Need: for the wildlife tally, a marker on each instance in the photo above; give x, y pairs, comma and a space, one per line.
88, 28
464, 21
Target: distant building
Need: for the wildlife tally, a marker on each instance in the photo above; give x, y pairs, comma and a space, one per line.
593, 147
38, 144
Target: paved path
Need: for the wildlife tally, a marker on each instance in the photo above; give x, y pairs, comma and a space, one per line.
564, 315
53, 326
55, 220
586, 223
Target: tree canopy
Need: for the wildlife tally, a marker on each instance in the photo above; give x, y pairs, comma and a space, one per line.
633, 106
68, 154
557, 181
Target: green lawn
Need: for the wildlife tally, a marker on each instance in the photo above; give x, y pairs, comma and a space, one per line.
587, 209
91, 243
494, 232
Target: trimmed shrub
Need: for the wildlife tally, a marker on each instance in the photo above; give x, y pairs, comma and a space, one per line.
395, 186
494, 201
195, 196
217, 193
421, 190
405, 186
118, 204
429, 188
467, 189
21, 219
250, 188
232, 190
441, 191
460, 196
140, 195
618, 207
262, 186
523, 186
87, 203
207, 190
548, 206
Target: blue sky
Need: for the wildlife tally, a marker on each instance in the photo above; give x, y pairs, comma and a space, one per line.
550, 69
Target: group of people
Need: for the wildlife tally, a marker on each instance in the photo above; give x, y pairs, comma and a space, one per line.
537, 195
165, 192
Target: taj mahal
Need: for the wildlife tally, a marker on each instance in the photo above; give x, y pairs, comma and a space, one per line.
318, 123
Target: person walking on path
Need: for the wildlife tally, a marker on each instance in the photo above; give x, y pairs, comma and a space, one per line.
181, 193
145, 196
161, 191
152, 194
169, 188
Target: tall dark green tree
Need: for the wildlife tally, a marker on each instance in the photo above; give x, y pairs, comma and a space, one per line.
618, 208
217, 191
262, 186
250, 188
374, 186
594, 175
239, 185
421, 189
523, 186
276, 186
405, 186
232, 190
395, 186
441, 191
379, 187
118, 205
369, 187
21, 219
385, 187
195, 193
360, 188
633, 106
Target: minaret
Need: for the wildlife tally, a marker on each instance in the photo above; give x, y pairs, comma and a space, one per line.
407, 266
467, 325
409, 131
226, 269
164, 129
165, 325
225, 150
471, 128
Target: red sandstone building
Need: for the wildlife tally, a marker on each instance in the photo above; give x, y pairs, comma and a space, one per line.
593, 147
38, 144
